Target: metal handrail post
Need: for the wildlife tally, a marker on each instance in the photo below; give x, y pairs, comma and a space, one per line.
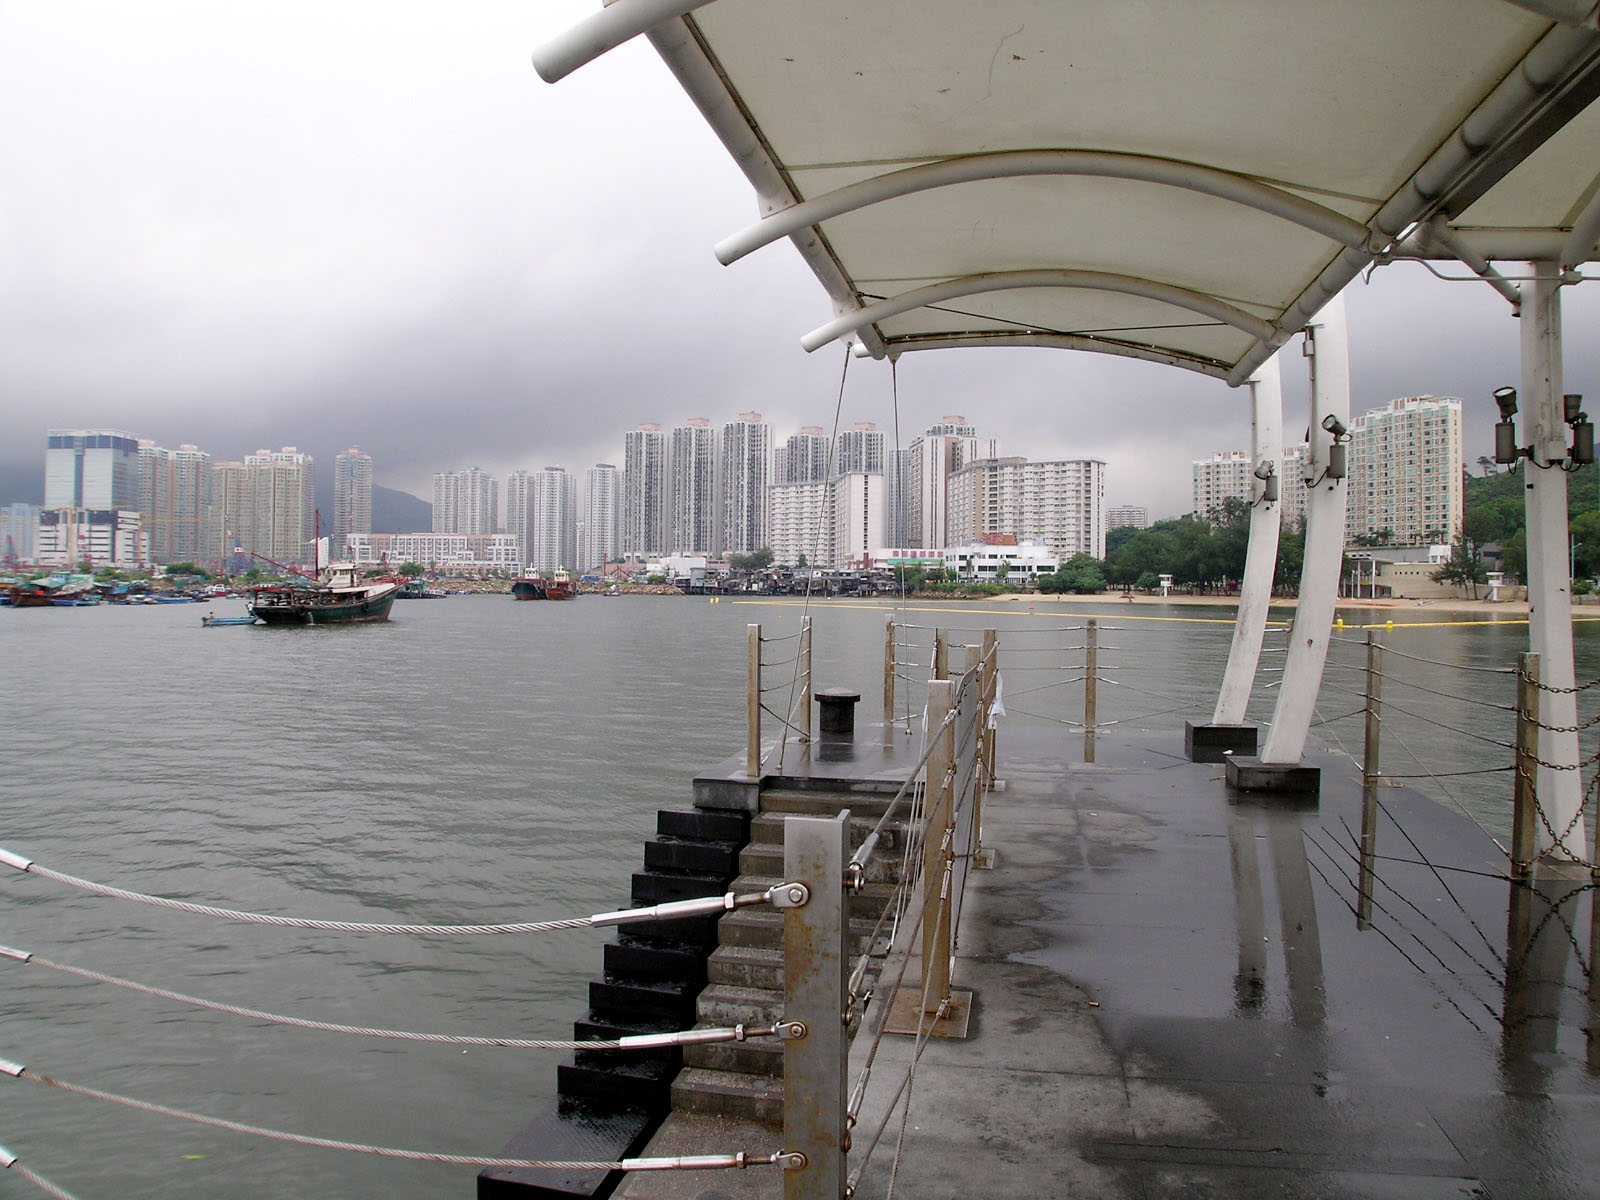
805, 676
975, 669
814, 983
991, 687
1091, 678
1369, 780
938, 848
941, 656
1524, 793
889, 668
753, 705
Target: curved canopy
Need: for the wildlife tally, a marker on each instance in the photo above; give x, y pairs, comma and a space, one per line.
1241, 160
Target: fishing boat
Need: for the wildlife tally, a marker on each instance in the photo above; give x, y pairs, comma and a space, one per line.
208, 620
531, 586
560, 587
335, 596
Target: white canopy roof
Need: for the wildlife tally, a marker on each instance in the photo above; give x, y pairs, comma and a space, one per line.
1179, 182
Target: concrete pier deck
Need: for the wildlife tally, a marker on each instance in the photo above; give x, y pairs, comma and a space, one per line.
1173, 999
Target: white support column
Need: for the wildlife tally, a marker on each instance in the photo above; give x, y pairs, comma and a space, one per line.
1328, 343
1261, 556
1559, 793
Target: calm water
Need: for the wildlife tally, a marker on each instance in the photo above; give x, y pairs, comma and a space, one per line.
473, 760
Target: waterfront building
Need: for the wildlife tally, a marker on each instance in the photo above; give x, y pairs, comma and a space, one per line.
447, 553
1405, 463
91, 468
600, 539
352, 495
281, 499
19, 524
934, 457
1127, 516
1059, 504
90, 538
832, 525
990, 560
466, 501
552, 520
645, 492
692, 472
804, 458
744, 472
175, 502
860, 449
231, 517
1230, 475
518, 485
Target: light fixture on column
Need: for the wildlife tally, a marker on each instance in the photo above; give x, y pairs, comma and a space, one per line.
1506, 450
1581, 452
1337, 451
1268, 474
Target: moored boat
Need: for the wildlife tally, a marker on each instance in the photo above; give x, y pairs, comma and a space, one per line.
208, 620
531, 586
560, 587
337, 596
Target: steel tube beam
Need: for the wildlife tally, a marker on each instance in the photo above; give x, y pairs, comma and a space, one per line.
1261, 556
1000, 281
1439, 230
1580, 244
1568, 12
1012, 164
1211, 368
1558, 793
1319, 577
618, 22
1558, 55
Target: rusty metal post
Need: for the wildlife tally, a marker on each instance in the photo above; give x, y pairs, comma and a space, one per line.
1524, 795
814, 983
941, 655
753, 705
805, 679
1369, 781
938, 848
1091, 679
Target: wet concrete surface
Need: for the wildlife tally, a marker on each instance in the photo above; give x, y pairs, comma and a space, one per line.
1173, 999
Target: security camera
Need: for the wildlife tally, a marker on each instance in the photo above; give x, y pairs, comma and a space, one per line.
1334, 426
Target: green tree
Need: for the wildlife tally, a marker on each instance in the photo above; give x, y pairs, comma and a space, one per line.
410, 570
1081, 573
1464, 567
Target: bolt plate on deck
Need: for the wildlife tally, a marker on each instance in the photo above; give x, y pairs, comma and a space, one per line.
905, 1016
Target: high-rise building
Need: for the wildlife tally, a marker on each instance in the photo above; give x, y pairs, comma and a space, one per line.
934, 458
805, 457
744, 470
352, 497
860, 449
645, 492
18, 525
691, 526
466, 501
282, 500
552, 520
897, 493
232, 517
1230, 475
1127, 516
175, 502
1059, 503
1405, 466
600, 516
832, 525
91, 468
519, 485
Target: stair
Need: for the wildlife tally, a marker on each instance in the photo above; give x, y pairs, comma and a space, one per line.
745, 973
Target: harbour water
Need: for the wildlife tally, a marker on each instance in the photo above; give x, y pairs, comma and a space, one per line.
471, 761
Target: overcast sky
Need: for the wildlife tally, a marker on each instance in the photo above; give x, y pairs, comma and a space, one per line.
252, 225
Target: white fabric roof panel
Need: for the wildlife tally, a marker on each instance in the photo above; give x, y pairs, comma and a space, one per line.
1385, 112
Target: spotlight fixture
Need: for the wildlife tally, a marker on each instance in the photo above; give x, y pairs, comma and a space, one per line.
1334, 426
1506, 398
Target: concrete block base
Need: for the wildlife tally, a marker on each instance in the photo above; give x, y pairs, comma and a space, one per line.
1248, 774
1208, 743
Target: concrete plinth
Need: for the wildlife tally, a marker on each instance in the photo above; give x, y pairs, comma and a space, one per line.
1211, 743
1248, 774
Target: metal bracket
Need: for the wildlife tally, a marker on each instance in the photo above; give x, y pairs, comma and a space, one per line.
789, 895
792, 1160
790, 1031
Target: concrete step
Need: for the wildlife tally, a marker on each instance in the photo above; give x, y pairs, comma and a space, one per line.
746, 966
728, 1094
724, 1004
766, 858
767, 829
757, 1056
825, 804
763, 927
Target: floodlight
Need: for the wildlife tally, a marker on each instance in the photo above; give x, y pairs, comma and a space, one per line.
1506, 398
1334, 426
1265, 471
1571, 407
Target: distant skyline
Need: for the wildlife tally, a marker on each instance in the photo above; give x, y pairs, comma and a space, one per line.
216, 231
